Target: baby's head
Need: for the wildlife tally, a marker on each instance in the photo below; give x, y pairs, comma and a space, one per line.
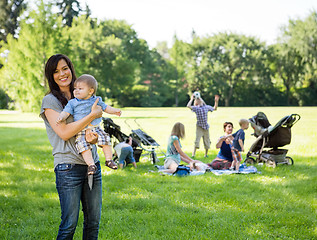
89, 81
244, 123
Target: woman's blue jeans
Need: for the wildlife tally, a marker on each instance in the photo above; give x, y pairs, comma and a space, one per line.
72, 187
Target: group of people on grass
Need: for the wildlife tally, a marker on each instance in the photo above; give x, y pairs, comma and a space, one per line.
72, 113
230, 145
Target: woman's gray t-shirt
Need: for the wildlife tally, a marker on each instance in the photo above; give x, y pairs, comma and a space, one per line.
63, 151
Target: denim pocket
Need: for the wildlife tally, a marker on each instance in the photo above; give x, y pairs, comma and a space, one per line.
65, 176
63, 167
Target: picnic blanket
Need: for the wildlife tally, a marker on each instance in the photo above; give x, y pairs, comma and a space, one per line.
244, 169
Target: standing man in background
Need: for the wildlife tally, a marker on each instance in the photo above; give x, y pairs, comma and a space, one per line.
202, 127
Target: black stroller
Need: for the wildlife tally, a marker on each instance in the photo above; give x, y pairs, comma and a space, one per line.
140, 140
271, 137
147, 143
114, 131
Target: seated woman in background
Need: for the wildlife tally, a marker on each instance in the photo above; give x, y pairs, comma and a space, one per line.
174, 153
224, 157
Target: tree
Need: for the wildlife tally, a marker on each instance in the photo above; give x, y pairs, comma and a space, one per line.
179, 59
302, 36
23, 72
99, 52
224, 61
157, 80
10, 12
288, 67
131, 65
69, 10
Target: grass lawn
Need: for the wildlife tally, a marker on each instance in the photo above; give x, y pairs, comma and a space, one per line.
278, 203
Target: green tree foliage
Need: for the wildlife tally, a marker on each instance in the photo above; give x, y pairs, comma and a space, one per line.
4, 99
302, 36
23, 73
221, 63
179, 58
157, 73
243, 70
122, 63
145, 70
68, 10
10, 11
101, 53
288, 67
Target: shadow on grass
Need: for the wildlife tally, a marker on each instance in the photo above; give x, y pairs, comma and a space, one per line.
138, 204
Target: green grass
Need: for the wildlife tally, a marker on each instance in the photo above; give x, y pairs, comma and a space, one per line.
279, 203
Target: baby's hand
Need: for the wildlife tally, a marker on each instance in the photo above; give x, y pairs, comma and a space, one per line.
59, 120
118, 112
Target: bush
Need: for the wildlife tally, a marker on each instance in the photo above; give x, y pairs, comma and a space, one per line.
4, 99
251, 96
306, 96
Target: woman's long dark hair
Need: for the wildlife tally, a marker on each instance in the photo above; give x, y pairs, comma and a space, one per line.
50, 68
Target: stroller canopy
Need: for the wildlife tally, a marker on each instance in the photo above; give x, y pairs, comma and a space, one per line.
275, 136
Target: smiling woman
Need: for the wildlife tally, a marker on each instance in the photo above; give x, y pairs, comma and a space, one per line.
224, 157
69, 166
63, 77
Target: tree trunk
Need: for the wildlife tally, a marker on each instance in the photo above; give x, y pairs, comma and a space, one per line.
227, 100
176, 99
228, 97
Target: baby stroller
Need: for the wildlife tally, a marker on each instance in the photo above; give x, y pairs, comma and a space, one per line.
114, 131
141, 142
147, 143
271, 137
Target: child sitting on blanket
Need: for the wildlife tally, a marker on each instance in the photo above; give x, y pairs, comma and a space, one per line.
237, 144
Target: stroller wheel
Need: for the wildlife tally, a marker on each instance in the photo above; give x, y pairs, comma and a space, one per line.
249, 161
153, 157
271, 163
289, 161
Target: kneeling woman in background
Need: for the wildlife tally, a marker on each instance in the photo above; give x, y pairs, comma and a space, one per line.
175, 154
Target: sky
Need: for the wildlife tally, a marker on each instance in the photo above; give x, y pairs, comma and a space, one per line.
160, 20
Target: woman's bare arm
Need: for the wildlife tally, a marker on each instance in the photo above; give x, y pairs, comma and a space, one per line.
66, 131
184, 156
220, 141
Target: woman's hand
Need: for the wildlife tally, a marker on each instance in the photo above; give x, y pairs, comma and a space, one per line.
91, 136
222, 139
229, 139
96, 110
191, 165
